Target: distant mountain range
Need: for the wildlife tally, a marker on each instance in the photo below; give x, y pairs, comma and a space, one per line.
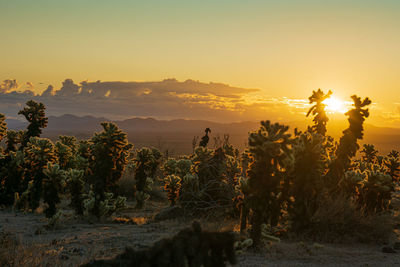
176, 135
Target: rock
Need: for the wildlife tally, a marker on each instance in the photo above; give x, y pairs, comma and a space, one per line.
388, 250
169, 213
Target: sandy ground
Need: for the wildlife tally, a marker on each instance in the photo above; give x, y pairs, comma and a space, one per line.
75, 242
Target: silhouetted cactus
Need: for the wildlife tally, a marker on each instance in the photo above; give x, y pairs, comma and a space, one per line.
377, 189
147, 160
66, 150
270, 147
34, 113
109, 154
369, 153
318, 110
392, 165
53, 183
348, 145
12, 174
38, 153
103, 208
309, 167
64, 155
13, 139
172, 186
75, 185
394, 154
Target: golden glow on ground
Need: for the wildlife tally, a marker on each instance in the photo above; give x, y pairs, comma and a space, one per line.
335, 105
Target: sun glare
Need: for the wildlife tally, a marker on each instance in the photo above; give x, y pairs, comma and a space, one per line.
334, 104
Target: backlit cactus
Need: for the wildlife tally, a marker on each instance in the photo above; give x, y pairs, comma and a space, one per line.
172, 186
34, 113
270, 147
38, 153
108, 157
53, 183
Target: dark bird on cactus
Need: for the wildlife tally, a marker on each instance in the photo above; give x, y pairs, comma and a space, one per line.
205, 138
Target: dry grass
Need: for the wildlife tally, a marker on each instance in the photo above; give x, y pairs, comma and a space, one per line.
339, 219
14, 253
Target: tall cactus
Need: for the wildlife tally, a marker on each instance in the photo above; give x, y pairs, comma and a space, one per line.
270, 147
75, 185
53, 183
34, 113
318, 110
109, 155
348, 145
38, 153
310, 156
147, 161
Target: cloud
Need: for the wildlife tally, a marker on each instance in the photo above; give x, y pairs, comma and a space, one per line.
8, 85
167, 99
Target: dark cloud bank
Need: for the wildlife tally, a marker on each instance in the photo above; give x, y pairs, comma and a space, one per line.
167, 99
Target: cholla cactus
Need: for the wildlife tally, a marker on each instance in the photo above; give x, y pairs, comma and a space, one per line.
228, 148
242, 189
13, 139
12, 177
270, 147
53, 184
353, 182
392, 165
183, 167
66, 150
233, 170
320, 118
75, 184
169, 167
245, 162
34, 113
64, 154
348, 145
104, 208
147, 161
38, 153
377, 189
69, 141
310, 156
369, 153
109, 155
3, 126
172, 186
394, 154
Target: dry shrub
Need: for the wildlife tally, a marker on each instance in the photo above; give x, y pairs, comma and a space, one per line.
14, 253
341, 219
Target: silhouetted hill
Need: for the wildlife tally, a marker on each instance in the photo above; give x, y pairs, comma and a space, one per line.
176, 135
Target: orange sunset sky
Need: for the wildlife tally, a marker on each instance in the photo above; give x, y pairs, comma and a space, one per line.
282, 49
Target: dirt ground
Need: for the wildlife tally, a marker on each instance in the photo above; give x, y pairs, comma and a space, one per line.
75, 242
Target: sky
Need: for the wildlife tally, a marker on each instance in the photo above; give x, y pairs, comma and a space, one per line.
284, 48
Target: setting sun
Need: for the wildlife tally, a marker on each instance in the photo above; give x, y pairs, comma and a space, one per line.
334, 104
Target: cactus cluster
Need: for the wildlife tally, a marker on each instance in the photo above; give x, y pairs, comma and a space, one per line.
34, 169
